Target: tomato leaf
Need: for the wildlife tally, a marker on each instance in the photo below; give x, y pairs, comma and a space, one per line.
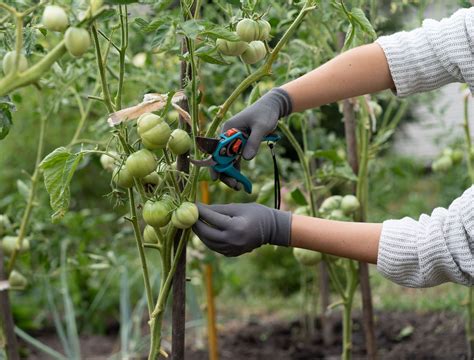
359, 16
164, 38
6, 108
210, 55
120, 2
298, 197
58, 169
330, 155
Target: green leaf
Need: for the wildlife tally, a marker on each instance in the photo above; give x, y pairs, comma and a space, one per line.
148, 27
192, 28
330, 155
210, 55
219, 32
298, 197
164, 38
350, 35
364, 23
345, 172
58, 168
6, 108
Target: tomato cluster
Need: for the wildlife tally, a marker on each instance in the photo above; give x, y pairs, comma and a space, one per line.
251, 46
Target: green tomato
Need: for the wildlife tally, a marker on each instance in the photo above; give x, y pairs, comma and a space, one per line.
350, 204
198, 244
55, 18
231, 48
173, 116
77, 41
447, 151
9, 244
96, 5
141, 163
457, 156
248, 30
151, 179
150, 236
303, 210
255, 52
4, 224
179, 142
107, 162
122, 177
153, 131
185, 215
331, 203
157, 213
9, 62
307, 257
17, 280
264, 29
337, 214
444, 163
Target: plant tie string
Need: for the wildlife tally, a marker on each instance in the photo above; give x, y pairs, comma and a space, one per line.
276, 175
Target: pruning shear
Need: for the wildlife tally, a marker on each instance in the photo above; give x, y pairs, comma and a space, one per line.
225, 152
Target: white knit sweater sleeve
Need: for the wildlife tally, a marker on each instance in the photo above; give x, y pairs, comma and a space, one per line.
438, 53
435, 249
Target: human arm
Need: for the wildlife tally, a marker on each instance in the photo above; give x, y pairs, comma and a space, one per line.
426, 252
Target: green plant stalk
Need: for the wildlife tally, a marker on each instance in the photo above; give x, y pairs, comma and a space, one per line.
31, 196
122, 53
263, 71
351, 286
84, 114
100, 65
141, 251
156, 318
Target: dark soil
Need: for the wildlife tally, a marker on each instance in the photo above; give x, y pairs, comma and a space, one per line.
400, 335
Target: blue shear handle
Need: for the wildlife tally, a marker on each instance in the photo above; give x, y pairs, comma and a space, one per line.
272, 137
232, 172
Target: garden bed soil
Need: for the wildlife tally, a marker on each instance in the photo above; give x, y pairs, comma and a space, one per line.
400, 335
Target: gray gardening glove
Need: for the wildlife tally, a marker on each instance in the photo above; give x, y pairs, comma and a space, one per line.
235, 229
259, 119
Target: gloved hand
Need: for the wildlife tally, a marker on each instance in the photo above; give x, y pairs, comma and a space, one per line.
235, 229
260, 119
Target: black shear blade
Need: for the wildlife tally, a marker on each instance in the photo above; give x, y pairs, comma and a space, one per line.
204, 162
207, 145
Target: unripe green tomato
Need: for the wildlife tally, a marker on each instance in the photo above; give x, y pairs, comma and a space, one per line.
96, 5
376, 108
151, 179
141, 163
153, 131
331, 203
307, 257
255, 52
9, 244
303, 210
4, 224
157, 213
444, 163
337, 214
248, 30
55, 18
231, 48
108, 162
173, 116
17, 280
349, 204
122, 177
185, 215
264, 29
447, 151
9, 63
150, 236
457, 156
179, 142
77, 41
198, 244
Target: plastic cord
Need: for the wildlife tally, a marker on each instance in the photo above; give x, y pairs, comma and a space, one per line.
276, 175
